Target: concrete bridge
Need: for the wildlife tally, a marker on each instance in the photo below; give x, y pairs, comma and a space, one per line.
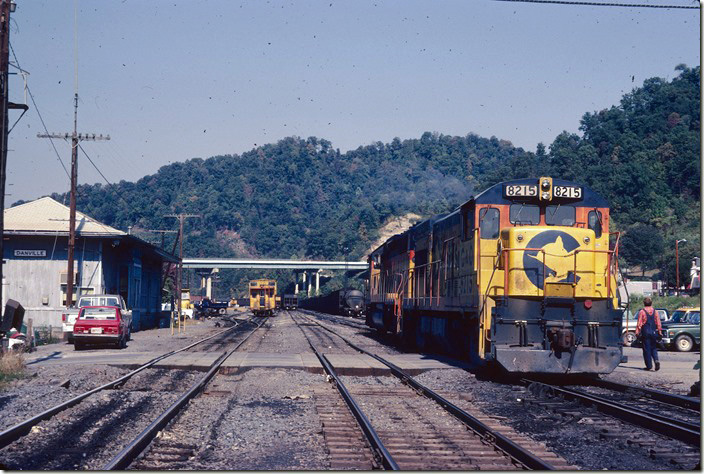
302, 267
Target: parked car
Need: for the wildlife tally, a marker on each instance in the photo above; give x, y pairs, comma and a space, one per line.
630, 322
101, 325
683, 331
68, 318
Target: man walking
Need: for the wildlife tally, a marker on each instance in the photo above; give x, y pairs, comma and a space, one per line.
650, 328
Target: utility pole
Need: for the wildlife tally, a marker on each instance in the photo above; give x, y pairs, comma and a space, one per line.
6, 6
179, 274
163, 234
75, 139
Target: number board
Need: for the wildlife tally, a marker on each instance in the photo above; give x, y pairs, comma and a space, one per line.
521, 190
570, 192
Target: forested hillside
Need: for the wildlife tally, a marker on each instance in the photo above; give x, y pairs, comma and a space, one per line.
302, 198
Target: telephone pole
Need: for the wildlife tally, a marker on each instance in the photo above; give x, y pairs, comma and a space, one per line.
75, 139
179, 275
163, 234
6, 7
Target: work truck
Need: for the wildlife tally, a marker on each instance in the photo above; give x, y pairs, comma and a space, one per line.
69, 316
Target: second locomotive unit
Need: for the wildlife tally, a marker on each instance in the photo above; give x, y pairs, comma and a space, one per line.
523, 274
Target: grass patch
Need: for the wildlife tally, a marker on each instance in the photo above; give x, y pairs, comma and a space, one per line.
11, 367
670, 303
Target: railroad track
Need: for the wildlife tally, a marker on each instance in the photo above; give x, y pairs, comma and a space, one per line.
93, 422
423, 430
671, 416
170, 452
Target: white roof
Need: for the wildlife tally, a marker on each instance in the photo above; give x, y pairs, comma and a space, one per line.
46, 215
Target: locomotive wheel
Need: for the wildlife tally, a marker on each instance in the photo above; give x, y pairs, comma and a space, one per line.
684, 343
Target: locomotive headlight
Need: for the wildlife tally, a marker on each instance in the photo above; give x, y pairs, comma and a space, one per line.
587, 240
545, 185
546, 195
519, 237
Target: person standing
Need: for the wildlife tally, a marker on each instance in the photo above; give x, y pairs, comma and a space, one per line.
649, 328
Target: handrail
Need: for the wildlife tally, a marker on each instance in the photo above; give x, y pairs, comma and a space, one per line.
574, 253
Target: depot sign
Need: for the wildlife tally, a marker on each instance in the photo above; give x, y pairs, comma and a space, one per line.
30, 253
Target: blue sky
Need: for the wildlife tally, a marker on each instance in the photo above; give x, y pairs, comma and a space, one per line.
174, 80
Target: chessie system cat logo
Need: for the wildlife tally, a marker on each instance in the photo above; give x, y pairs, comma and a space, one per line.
557, 247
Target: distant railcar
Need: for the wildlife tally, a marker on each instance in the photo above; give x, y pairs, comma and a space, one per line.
351, 303
262, 297
345, 302
290, 301
523, 274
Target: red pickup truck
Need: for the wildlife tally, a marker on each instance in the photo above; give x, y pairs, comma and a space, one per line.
101, 325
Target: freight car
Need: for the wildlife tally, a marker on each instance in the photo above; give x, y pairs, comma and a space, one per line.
262, 297
345, 302
290, 301
522, 275
351, 303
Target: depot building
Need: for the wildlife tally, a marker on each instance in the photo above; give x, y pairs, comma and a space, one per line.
106, 260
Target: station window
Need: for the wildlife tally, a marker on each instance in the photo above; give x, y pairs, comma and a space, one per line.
524, 214
489, 223
594, 222
560, 215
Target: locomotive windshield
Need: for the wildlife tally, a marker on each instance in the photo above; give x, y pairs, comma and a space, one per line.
526, 214
560, 215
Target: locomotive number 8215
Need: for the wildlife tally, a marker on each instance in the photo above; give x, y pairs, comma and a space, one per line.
522, 275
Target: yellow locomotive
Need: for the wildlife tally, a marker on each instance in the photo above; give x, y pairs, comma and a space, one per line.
523, 274
262, 297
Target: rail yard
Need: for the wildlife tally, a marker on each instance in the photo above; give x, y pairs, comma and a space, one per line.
314, 391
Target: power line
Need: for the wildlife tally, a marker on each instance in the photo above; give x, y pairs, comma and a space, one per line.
598, 4
41, 119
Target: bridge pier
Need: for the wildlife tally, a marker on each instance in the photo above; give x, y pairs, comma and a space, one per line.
317, 282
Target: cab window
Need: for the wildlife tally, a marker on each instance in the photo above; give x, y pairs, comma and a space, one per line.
594, 222
692, 317
489, 223
560, 215
524, 214
467, 223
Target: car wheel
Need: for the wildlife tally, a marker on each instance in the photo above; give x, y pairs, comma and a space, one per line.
628, 338
129, 332
78, 346
684, 343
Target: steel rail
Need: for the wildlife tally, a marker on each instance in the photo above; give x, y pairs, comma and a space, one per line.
19, 430
681, 431
513, 450
379, 450
130, 452
681, 401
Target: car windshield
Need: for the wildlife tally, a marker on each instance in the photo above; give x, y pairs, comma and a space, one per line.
99, 313
677, 316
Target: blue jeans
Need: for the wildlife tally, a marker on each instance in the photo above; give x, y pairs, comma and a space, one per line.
650, 350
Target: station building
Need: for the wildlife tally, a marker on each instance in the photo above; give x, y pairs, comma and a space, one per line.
106, 260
